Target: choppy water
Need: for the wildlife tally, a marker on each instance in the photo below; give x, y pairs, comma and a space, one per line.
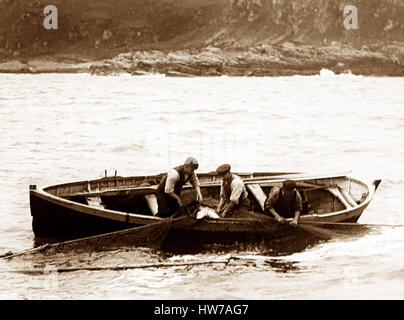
62, 128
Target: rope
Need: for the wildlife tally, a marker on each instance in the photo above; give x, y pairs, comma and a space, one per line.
226, 261
123, 268
351, 224
151, 235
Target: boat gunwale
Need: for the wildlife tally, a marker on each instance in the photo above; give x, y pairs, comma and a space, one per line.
140, 179
135, 218
371, 189
252, 179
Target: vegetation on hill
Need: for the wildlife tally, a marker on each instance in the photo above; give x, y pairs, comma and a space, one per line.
262, 37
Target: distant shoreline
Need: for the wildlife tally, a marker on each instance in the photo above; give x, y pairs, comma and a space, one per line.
203, 38
286, 59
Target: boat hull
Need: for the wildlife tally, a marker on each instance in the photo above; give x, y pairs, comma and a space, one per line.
57, 221
56, 217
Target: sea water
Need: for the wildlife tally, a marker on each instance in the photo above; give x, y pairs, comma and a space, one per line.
58, 128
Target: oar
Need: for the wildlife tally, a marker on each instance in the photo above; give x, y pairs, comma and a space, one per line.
352, 224
318, 232
152, 235
342, 229
314, 230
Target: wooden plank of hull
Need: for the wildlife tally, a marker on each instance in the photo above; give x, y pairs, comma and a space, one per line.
56, 221
346, 216
85, 209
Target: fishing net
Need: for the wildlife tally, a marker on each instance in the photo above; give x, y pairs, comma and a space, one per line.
242, 213
152, 236
253, 221
258, 222
149, 235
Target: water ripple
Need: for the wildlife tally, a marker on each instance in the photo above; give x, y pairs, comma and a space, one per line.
52, 133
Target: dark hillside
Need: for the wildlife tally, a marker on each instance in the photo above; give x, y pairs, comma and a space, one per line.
91, 30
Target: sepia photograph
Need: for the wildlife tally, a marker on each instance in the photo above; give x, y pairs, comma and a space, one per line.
199, 155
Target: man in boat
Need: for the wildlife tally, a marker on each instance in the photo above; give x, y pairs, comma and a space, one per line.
170, 187
233, 194
284, 202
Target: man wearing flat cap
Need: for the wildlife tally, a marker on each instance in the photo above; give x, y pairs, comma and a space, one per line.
284, 202
233, 194
170, 187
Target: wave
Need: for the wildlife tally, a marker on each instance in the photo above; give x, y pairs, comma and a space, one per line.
327, 73
123, 119
124, 148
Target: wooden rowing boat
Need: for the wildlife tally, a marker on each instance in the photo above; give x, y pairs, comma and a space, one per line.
109, 204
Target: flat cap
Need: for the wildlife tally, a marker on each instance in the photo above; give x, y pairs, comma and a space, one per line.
289, 184
192, 161
224, 168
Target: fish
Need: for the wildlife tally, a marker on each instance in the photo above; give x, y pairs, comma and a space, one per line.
206, 212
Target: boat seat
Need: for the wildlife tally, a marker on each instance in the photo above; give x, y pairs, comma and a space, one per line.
95, 202
152, 203
258, 194
348, 197
337, 193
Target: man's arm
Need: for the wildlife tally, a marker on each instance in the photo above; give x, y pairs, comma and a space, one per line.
270, 201
298, 209
276, 215
230, 205
295, 220
237, 187
195, 183
172, 178
222, 200
177, 198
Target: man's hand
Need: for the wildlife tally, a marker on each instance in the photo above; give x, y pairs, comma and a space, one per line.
176, 198
295, 219
229, 207
293, 223
280, 219
199, 197
276, 215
